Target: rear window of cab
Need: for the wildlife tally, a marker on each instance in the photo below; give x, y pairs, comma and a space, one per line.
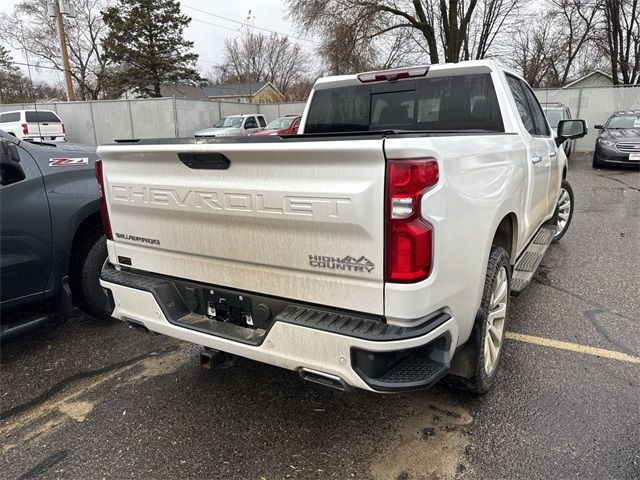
463, 102
42, 117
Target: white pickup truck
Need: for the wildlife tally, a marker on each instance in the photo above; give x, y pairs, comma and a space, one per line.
376, 249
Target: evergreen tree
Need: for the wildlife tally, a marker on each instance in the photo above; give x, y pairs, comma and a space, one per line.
146, 46
13, 85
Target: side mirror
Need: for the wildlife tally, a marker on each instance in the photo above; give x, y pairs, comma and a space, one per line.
599, 127
10, 169
570, 130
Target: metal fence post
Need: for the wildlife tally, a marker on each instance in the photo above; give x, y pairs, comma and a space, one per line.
175, 117
133, 132
579, 103
93, 123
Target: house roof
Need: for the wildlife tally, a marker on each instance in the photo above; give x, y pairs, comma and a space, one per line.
590, 74
246, 89
183, 91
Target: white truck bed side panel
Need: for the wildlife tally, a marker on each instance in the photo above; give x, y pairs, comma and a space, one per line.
482, 179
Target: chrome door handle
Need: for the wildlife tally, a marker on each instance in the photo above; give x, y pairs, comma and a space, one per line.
536, 159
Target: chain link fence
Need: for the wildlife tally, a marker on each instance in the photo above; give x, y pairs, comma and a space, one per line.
98, 122
594, 104
102, 121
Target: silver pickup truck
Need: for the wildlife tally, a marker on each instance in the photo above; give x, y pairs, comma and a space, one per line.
375, 249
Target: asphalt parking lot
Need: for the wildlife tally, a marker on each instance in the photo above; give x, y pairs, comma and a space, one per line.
82, 398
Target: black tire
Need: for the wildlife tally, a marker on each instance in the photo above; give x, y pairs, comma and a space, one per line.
595, 163
566, 186
480, 381
89, 256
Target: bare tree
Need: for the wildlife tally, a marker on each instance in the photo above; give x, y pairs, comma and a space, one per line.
30, 29
495, 22
533, 53
622, 33
257, 56
17, 88
451, 30
566, 39
300, 90
576, 22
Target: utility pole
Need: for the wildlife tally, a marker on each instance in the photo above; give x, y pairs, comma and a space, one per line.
57, 11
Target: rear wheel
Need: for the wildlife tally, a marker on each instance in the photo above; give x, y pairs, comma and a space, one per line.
88, 258
487, 337
564, 211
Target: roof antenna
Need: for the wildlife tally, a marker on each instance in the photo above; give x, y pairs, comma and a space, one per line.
31, 89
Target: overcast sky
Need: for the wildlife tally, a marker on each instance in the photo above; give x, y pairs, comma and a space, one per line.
206, 31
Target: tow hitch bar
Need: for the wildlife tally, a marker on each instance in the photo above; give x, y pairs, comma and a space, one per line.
210, 358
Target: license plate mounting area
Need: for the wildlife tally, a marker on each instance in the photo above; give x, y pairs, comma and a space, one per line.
228, 307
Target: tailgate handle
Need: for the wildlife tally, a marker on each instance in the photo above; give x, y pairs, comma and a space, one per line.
205, 161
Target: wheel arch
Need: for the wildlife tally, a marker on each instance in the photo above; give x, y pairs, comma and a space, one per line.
506, 235
85, 230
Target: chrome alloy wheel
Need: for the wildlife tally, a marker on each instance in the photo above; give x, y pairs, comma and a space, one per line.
494, 326
564, 211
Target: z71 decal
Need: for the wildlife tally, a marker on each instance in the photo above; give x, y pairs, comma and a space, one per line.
68, 162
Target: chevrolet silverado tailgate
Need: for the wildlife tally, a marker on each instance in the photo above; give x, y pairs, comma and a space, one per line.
296, 219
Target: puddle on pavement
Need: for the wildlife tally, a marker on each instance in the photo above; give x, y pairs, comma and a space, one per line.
77, 402
428, 444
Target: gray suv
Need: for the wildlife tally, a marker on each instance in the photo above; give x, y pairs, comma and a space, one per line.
556, 111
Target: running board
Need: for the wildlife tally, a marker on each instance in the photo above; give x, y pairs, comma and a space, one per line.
529, 261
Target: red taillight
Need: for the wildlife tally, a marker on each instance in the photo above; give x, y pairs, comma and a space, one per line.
393, 75
25, 129
409, 237
104, 213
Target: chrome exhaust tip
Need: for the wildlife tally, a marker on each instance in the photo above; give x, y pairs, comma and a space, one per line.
326, 379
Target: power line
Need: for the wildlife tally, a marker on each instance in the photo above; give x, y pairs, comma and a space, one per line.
35, 65
215, 25
268, 30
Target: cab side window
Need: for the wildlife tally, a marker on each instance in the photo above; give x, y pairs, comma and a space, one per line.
262, 121
522, 104
10, 117
250, 122
542, 128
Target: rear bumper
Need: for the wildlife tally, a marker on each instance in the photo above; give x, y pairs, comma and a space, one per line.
361, 352
45, 139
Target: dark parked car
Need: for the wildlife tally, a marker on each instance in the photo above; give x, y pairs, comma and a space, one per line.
51, 240
619, 141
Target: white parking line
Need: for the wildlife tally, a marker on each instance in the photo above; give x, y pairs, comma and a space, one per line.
573, 347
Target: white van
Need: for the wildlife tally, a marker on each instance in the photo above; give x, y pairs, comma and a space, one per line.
33, 125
